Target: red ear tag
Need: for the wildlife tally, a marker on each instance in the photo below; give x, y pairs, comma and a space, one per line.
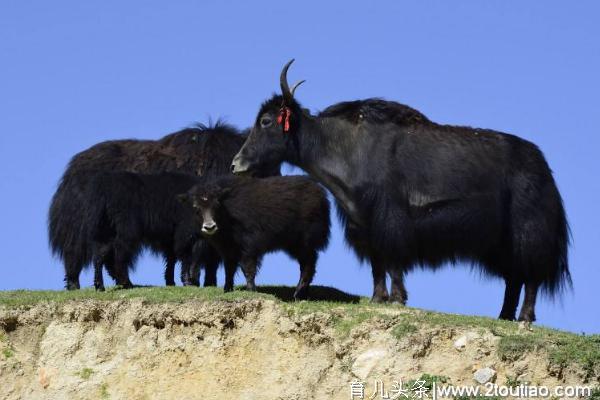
284, 116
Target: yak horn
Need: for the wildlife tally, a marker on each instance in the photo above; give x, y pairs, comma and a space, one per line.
296, 86
288, 96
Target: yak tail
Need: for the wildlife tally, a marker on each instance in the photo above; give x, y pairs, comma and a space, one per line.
558, 277
67, 233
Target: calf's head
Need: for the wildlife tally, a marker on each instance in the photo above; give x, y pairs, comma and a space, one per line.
272, 136
206, 204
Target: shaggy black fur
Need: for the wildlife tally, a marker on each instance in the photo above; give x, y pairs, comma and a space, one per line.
200, 150
415, 193
245, 218
131, 211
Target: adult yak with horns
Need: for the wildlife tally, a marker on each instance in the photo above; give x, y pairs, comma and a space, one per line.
412, 192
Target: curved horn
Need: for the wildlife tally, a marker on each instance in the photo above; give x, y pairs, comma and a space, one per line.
296, 86
288, 96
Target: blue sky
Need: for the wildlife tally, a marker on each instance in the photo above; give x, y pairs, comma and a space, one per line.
75, 73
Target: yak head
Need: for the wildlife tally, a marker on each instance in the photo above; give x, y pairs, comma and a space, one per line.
206, 202
272, 138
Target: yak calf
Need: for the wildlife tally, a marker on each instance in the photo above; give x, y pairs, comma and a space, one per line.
245, 218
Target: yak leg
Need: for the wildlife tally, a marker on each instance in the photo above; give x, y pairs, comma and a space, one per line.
210, 272
528, 309
123, 259
230, 268
170, 261
72, 271
307, 272
249, 265
380, 292
512, 292
398, 294
98, 278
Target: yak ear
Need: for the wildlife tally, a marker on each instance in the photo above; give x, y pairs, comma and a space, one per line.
183, 198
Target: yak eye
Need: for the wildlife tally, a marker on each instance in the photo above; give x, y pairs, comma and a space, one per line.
265, 122
204, 198
196, 205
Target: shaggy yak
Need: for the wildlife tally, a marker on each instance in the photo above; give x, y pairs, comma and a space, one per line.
245, 218
133, 210
205, 151
416, 193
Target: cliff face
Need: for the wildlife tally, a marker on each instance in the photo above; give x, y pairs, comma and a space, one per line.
262, 348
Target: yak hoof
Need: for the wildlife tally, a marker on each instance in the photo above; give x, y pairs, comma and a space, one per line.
100, 289
228, 289
507, 317
397, 300
379, 298
72, 286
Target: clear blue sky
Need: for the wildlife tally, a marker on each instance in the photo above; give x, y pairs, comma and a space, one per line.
74, 73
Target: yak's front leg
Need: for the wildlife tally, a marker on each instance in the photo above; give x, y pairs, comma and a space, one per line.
230, 268
170, 261
249, 266
98, 278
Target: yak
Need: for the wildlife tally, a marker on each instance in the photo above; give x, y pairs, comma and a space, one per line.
132, 211
245, 218
201, 150
412, 192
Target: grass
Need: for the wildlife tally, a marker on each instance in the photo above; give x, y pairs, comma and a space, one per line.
513, 381
426, 381
103, 392
513, 347
595, 394
347, 312
8, 353
17, 298
403, 328
85, 373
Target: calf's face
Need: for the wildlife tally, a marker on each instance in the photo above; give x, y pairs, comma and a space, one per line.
206, 203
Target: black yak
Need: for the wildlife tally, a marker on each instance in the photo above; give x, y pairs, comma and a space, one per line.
202, 150
131, 211
245, 218
416, 193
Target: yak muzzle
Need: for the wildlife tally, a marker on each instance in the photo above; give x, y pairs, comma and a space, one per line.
209, 228
239, 166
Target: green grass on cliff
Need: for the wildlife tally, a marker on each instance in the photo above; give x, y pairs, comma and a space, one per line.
346, 312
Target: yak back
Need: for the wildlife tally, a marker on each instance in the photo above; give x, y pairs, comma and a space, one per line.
144, 205
282, 205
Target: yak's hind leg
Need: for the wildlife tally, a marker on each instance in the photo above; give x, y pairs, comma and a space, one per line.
398, 293
124, 258
102, 256
380, 292
249, 267
72, 271
528, 309
512, 292
308, 264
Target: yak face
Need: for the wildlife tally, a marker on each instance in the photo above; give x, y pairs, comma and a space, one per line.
206, 204
271, 140
267, 143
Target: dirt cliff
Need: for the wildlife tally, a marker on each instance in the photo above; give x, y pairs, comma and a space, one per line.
200, 344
